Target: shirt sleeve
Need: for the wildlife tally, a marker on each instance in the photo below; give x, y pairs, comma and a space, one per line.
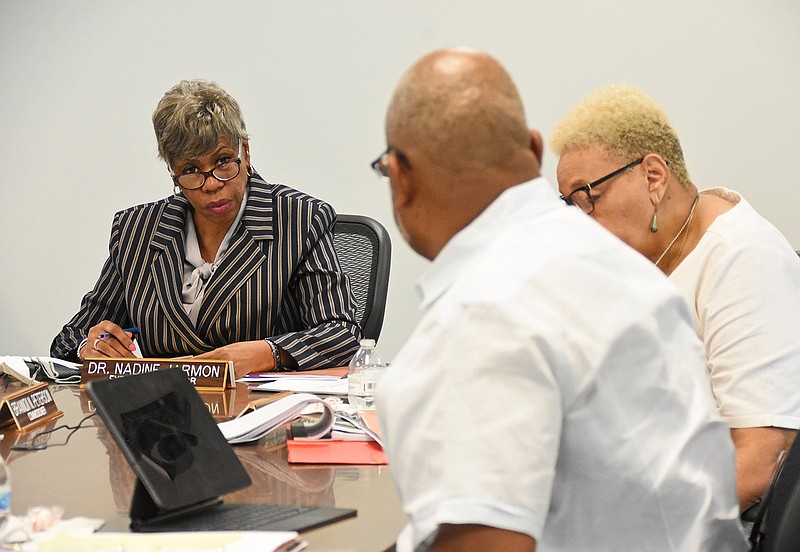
748, 308
472, 418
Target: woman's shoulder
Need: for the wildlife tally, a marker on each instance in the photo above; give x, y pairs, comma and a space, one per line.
742, 228
740, 242
285, 197
148, 217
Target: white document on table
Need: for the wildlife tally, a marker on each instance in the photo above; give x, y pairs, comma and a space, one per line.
318, 385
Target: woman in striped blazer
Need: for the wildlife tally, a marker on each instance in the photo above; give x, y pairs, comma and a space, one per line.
229, 267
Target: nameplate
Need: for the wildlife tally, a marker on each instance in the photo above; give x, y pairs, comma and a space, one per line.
29, 408
203, 374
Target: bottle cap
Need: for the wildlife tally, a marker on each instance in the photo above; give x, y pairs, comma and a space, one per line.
367, 342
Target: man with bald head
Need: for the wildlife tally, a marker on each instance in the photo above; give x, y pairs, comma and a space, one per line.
543, 402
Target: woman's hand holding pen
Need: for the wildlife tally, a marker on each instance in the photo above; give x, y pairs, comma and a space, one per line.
107, 339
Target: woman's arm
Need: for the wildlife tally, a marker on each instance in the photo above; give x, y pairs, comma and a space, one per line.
319, 299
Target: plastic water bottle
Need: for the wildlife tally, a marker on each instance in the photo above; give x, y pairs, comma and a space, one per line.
366, 370
5, 492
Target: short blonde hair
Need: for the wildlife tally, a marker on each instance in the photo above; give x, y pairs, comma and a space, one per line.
193, 117
625, 121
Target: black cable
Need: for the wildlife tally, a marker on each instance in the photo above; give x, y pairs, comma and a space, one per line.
33, 445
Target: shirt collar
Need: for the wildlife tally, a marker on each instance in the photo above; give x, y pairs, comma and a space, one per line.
192, 246
531, 198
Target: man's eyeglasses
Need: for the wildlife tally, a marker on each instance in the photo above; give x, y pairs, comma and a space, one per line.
225, 169
381, 164
582, 197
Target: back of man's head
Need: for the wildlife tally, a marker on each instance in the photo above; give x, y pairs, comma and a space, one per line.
460, 109
457, 139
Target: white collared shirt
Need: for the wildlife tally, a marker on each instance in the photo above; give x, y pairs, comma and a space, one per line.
555, 387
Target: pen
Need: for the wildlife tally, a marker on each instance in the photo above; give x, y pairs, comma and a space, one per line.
131, 330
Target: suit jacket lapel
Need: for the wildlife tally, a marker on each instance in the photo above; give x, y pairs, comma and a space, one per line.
244, 256
167, 269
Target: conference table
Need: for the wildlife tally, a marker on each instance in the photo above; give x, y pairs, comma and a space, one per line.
88, 476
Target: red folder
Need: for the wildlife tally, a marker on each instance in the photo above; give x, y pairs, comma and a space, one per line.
334, 451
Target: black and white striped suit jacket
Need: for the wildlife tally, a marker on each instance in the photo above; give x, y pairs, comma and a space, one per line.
280, 278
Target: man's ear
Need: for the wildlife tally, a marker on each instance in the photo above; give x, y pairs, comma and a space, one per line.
537, 145
401, 182
657, 174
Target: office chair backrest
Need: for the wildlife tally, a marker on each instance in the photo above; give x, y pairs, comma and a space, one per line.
779, 522
787, 535
365, 253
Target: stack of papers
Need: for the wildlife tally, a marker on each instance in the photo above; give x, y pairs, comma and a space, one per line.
355, 439
356, 425
79, 534
254, 425
26, 369
345, 429
189, 541
328, 381
17, 369
321, 385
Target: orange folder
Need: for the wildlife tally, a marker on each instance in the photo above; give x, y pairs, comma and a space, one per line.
334, 451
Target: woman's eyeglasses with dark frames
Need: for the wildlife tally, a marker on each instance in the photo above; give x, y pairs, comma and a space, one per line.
227, 170
582, 197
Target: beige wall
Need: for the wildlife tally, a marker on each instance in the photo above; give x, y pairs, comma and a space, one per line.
79, 81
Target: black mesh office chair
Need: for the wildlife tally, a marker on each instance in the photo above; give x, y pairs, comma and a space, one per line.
365, 252
777, 526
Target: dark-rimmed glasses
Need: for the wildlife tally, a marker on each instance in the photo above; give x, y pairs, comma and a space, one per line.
381, 164
582, 197
225, 170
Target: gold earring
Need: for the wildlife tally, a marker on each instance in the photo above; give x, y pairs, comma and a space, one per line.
654, 224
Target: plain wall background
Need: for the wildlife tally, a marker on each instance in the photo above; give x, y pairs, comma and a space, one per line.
79, 81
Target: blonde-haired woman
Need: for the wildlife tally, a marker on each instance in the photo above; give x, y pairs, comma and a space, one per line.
621, 162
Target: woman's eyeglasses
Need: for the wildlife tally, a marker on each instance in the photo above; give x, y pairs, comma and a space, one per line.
225, 169
581, 197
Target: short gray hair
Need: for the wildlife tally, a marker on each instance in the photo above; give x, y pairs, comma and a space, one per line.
193, 117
